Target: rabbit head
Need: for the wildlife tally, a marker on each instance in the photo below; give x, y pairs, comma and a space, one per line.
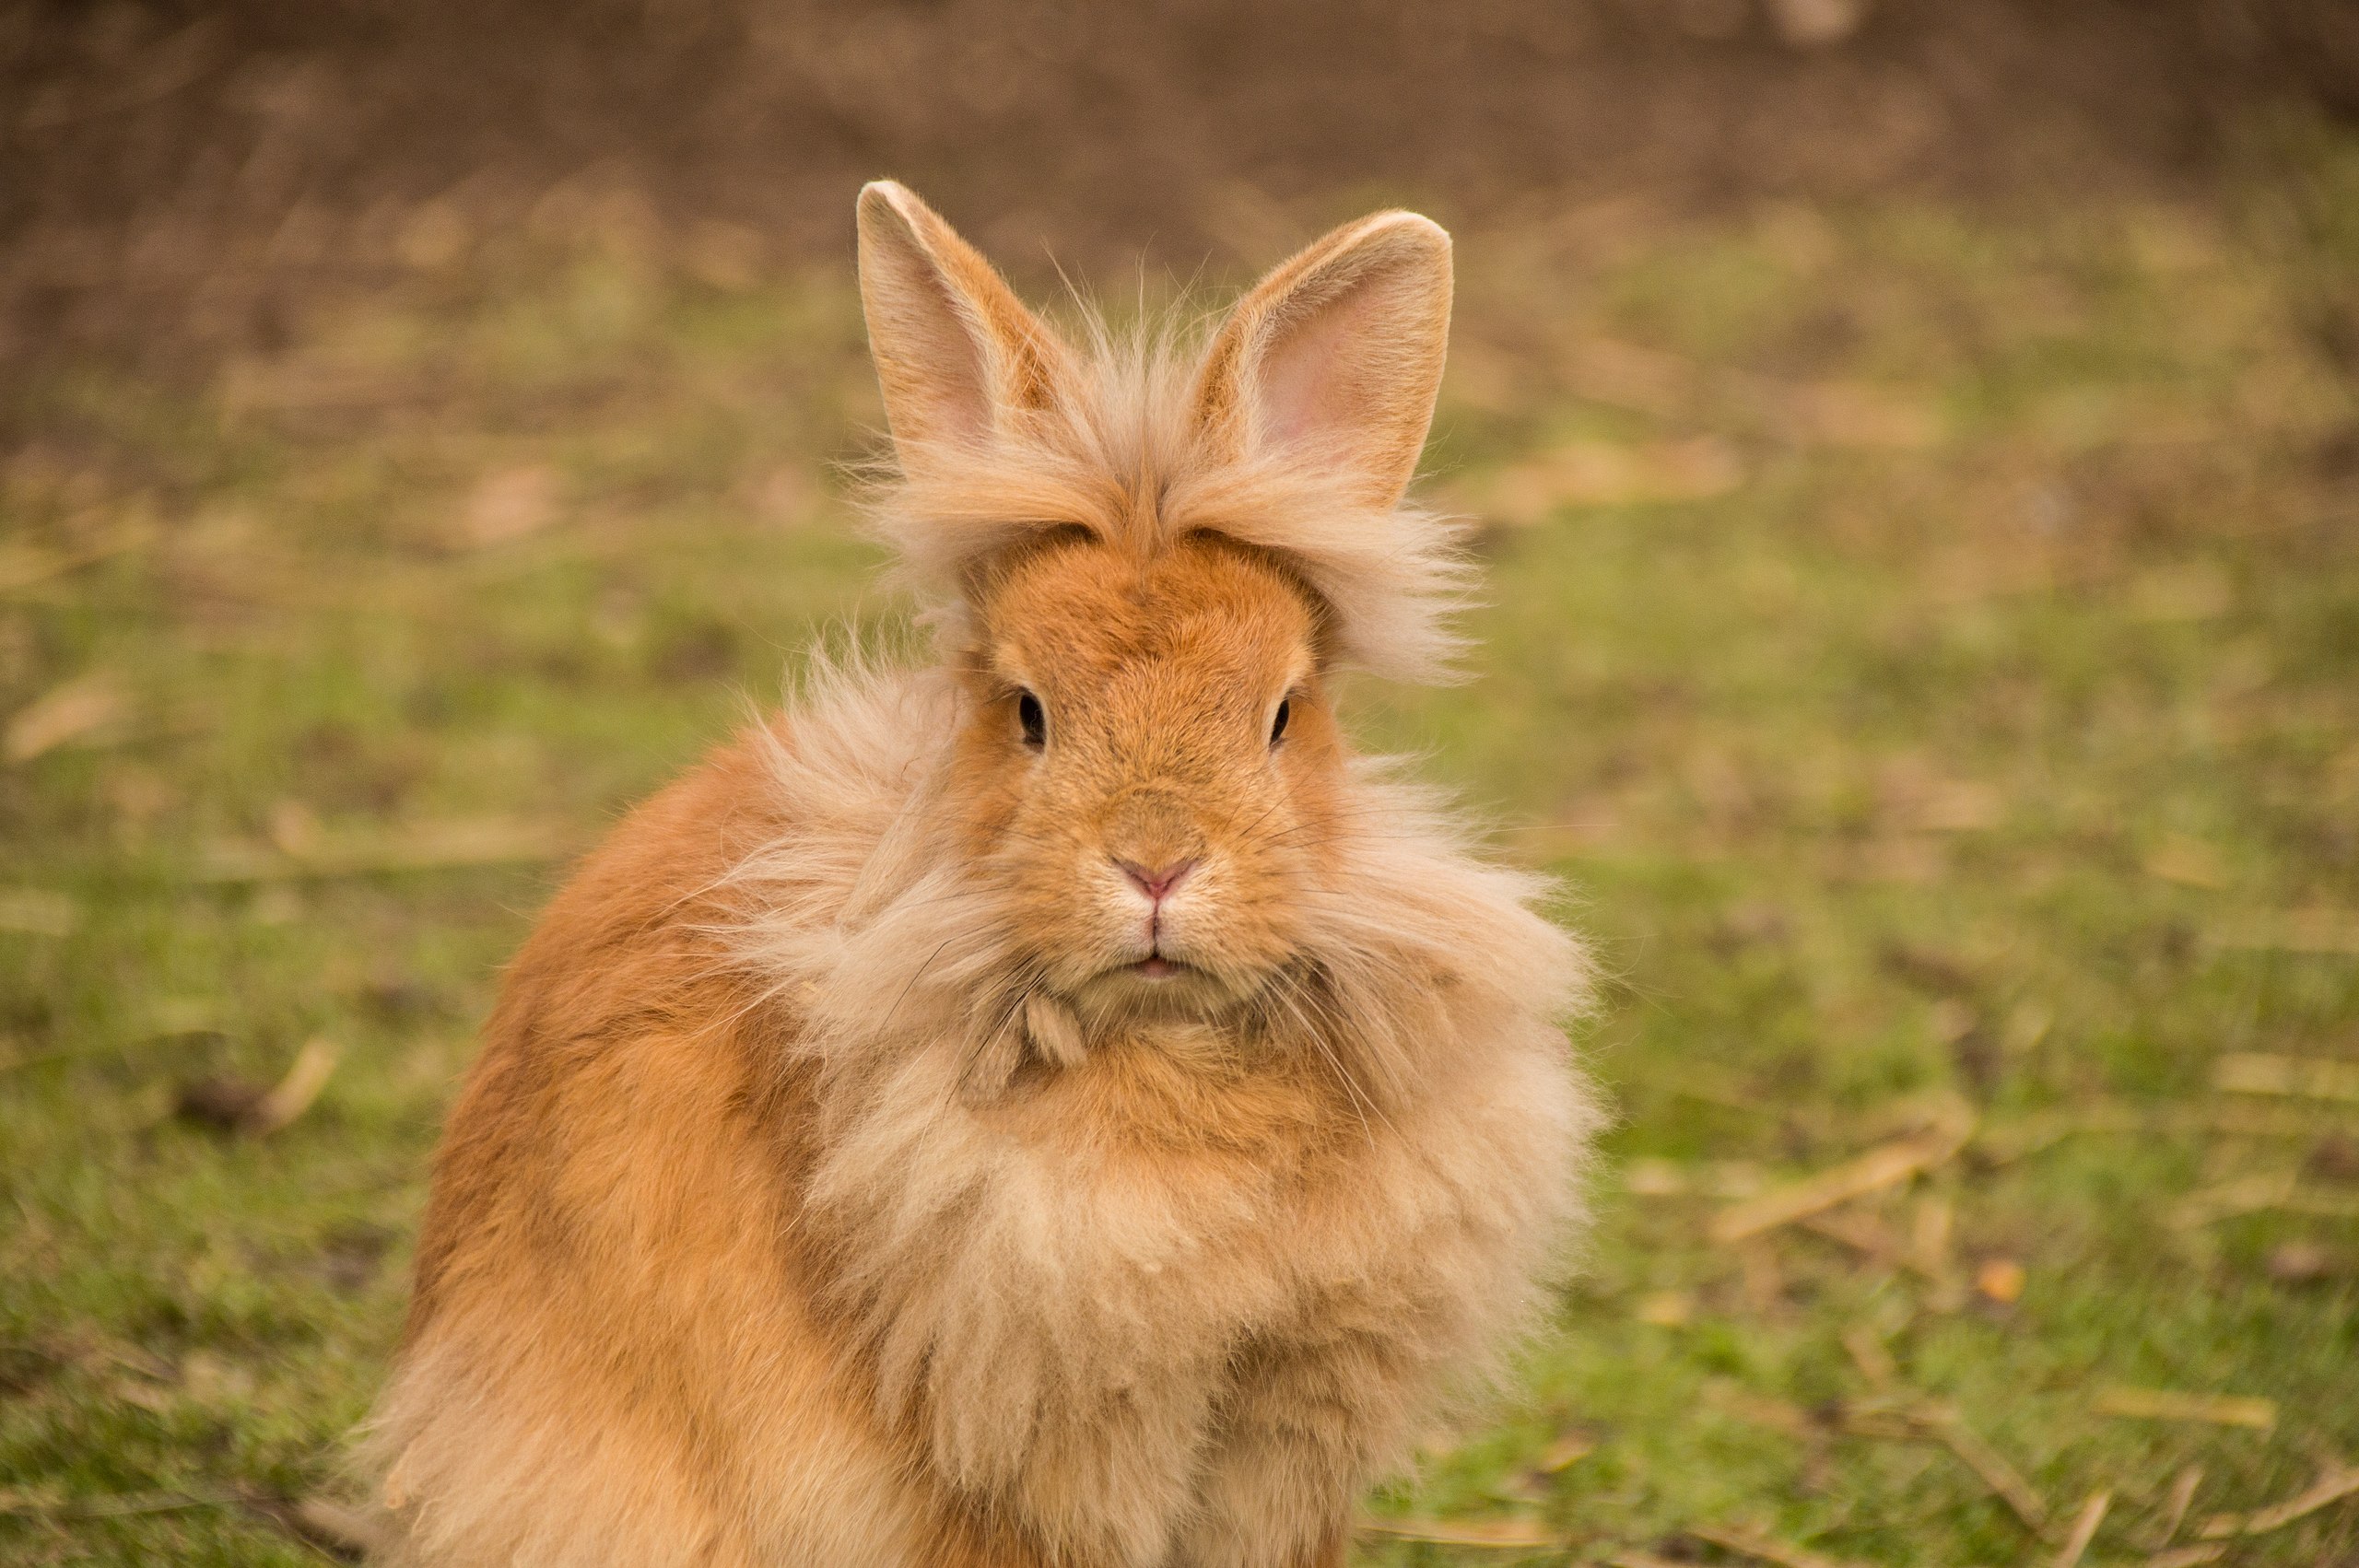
1144, 565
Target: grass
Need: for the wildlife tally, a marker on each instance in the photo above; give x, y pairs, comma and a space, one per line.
1927, 644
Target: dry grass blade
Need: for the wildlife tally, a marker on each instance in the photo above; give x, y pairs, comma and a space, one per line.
1932, 1248
2245, 1195
1938, 1423
331, 1527
1880, 1167
1863, 1233
2014, 1140
2260, 1120
2332, 1487
21, 565
2175, 1507
337, 1527
1760, 1409
1765, 1548
2084, 1529
1598, 474
2327, 932
293, 1095
33, 911
1525, 1535
2279, 1190
2186, 1556
118, 1505
440, 846
1712, 1178
1990, 1463
2166, 1404
2322, 1204
28, 566
1565, 1452
2256, 1072
237, 1106
1867, 1351
83, 708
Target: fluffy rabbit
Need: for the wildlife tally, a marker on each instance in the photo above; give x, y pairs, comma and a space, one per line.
1057, 1108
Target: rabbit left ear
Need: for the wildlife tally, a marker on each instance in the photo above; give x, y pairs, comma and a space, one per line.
957, 353
1336, 357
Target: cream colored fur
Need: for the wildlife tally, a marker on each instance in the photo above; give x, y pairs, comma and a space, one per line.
834, 1192
1094, 1331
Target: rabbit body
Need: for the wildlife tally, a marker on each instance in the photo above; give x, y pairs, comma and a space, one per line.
1053, 1109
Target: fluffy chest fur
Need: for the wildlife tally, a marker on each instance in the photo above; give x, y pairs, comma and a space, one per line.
1074, 1298
1091, 1294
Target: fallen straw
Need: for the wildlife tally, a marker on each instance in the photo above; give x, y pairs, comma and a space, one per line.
2332, 1487
2168, 1404
1886, 1166
1565, 1453
114, 1505
1990, 1463
1938, 1423
2295, 930
1868, 1353
2257, 1072
2084, 1529
293, 1095
2006, 1142
419, 846
2175, 1507
1766, 1548
1508, 1534
2279, 1190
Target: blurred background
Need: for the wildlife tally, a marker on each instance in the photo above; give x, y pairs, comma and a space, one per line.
1916, 458
192, 177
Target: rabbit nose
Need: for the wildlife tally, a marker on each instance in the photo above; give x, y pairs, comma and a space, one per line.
1157, 883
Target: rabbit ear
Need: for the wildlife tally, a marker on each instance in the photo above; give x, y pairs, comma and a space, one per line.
956, 351
1337, 355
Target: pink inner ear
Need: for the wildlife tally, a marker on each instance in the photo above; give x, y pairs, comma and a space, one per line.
936, 358
962, 387
1313, 381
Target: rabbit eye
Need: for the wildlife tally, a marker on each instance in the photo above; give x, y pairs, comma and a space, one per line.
1278, 725
1035, 720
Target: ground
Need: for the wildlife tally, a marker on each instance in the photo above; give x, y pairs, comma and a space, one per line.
1925, 642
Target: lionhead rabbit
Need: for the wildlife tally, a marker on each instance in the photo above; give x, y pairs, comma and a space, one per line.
1055, 1107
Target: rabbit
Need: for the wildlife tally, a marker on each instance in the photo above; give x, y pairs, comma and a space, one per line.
1052, 1105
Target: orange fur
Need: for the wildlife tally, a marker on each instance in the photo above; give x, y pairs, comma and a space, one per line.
864, 1167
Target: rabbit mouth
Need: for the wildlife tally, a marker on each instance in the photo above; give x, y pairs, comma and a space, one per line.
1156, 966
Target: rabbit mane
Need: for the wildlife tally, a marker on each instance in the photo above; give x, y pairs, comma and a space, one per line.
996, 1294
1123, 455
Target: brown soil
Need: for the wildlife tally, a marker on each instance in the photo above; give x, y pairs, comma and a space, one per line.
181, 176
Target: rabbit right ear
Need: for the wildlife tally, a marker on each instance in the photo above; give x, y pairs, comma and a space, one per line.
956, 351
1337, 355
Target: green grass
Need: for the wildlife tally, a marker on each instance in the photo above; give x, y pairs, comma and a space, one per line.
1929, 652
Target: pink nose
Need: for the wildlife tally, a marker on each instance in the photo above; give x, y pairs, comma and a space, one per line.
1157, 883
